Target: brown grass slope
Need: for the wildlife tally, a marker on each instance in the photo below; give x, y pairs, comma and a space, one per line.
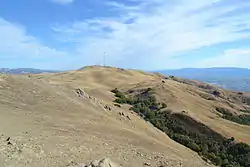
45, 123
194, 97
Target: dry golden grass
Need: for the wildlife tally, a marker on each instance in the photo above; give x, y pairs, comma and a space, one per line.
49, 125
179, 94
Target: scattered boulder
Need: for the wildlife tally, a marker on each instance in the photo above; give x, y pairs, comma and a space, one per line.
8, 139
121, 69
216, 93
147, 164
117, 105
184, 112
171, 76
240, 93
81, 93
106, 107
128, 117
163, 164
166, 78
106, 162
123, 115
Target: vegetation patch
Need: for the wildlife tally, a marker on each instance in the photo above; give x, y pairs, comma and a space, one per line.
185, 130
241, 119
246, 100
117, 105
245, 111
207, 96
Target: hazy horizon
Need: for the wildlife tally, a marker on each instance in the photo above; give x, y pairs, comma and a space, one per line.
131, 68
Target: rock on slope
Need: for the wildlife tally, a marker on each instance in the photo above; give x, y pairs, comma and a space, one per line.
44, 122
106, 162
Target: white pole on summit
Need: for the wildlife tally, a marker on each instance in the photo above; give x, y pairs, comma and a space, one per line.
104, 59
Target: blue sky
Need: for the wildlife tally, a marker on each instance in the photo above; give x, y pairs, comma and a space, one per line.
141, 34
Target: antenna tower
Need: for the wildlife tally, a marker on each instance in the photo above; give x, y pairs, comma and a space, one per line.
104, 59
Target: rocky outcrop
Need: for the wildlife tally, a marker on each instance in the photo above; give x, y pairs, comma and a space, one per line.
81, 93
125, 116
106, 162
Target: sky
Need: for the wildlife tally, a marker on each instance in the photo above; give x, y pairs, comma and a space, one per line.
138, 34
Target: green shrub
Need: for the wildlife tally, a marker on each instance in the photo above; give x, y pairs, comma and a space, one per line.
188, 132
211, 156
218, 161
117, 105
204, 148
115, 90
223, 111
149, 115
225, 162
241, 119
164, 105
120, 95
120, 101
168, 111
194, 146
245, 111
228, 166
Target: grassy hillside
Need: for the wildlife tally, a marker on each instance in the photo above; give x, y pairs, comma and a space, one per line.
56, 118
185, 130
198, 99
47, 121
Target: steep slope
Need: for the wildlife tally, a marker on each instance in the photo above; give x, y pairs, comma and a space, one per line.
67, 118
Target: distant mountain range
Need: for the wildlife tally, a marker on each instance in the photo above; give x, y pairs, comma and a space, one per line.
237, 79
25, 71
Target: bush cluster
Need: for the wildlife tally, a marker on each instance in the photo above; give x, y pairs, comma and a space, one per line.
188, 132
241, 119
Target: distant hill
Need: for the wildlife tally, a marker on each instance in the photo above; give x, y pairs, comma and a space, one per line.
25, 71
237, 79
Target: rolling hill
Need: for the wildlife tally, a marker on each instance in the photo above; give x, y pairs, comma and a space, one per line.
65, 118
